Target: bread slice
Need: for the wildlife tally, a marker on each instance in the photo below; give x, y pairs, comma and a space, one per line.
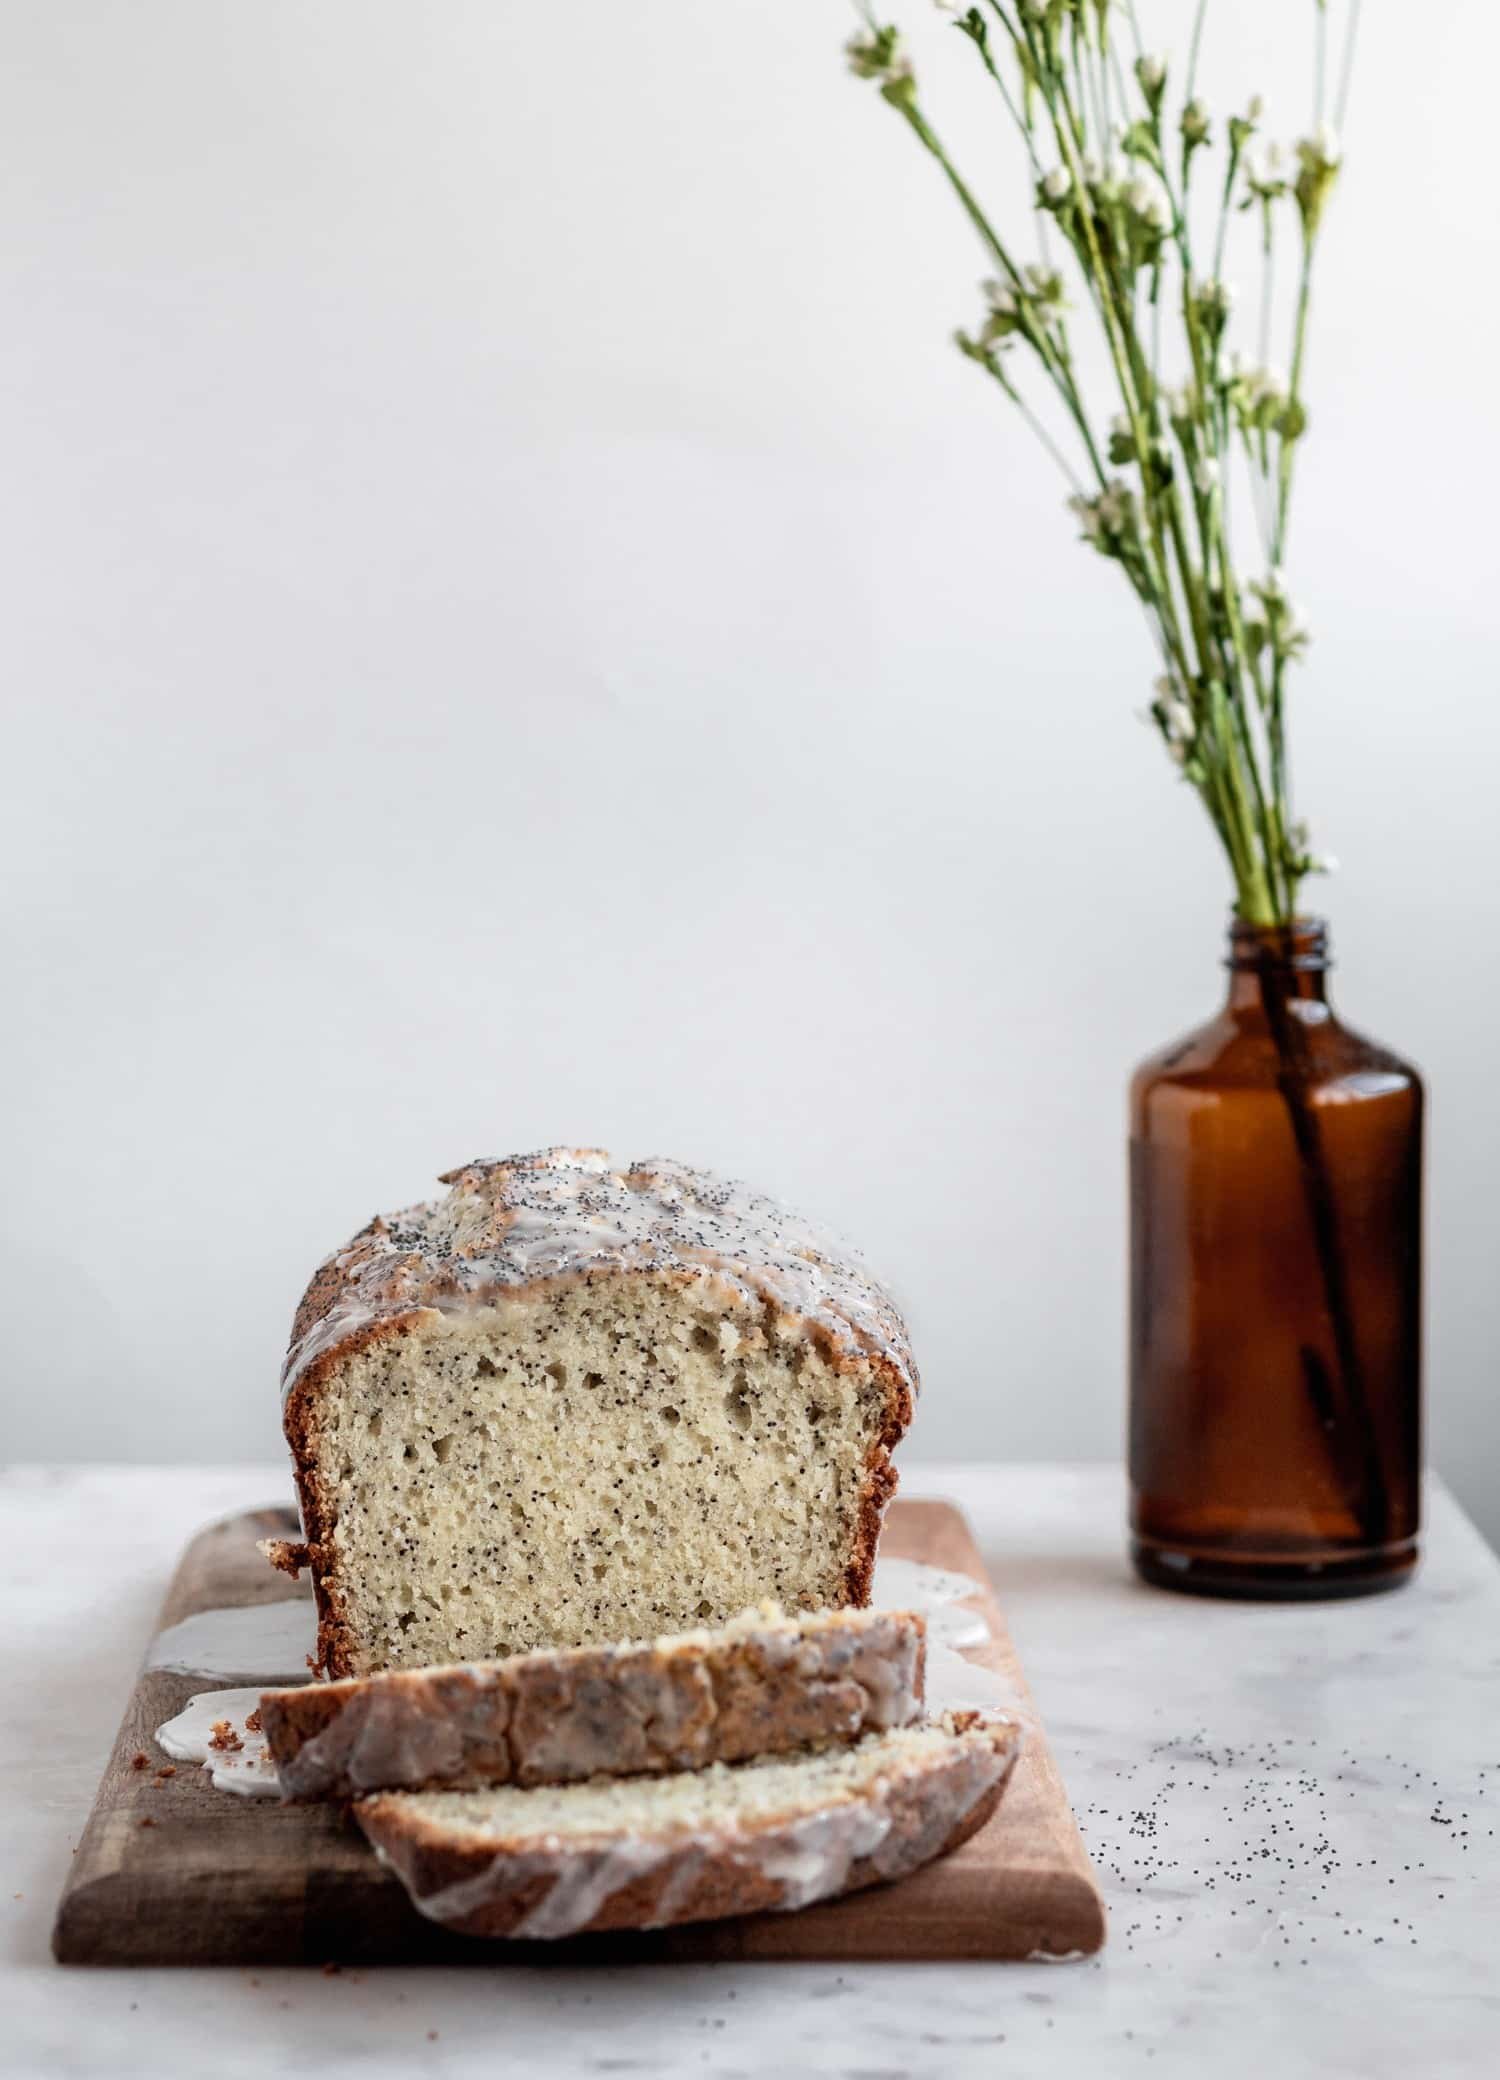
763, 1685
768, 1835
576, 1400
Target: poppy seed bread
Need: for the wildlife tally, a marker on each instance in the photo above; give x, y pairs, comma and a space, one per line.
771, 1835
577, 1401
762, 1685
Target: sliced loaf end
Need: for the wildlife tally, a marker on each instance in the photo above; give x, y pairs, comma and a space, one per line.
770, 1835
763, 1684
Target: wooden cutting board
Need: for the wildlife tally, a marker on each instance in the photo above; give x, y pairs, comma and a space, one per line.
176, 1872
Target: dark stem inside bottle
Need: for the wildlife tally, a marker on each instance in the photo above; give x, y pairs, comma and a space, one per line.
1275, 1337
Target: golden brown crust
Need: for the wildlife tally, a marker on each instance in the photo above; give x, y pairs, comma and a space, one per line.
484, 1886
764, 1685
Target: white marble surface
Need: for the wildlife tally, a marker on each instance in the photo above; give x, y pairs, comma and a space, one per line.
1294, 1811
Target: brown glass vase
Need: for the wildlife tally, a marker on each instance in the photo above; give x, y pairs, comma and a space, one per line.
1276, 1264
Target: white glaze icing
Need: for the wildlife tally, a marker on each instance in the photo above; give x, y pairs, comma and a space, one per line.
271, 1642
247, 1769
954, 1683
809, 1856
911, 1585
957, 1685
562, 1212
812, 1859
936, 1592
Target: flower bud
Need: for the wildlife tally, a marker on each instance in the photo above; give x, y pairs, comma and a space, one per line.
1319, 160
1194, 125
1151, 71
1055, 188
878, 54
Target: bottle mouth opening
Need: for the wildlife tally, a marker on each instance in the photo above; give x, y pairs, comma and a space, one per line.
1300, 947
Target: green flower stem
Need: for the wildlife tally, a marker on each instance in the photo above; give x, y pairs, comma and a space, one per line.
1231, 168
1061, 373
992, 364
1286, 449
1222, 709
1242, 812
1272, 837
1267, 278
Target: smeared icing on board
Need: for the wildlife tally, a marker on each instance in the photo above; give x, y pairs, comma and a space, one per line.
911, 1585
246, 1768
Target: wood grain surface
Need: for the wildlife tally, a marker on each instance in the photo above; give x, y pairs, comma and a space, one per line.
175, 1872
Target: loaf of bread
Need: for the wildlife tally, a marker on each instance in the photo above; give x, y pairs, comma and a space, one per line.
763, 1685
576, 1401
643, 1853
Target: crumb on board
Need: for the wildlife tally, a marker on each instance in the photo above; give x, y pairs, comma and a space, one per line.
252, 1722
146, 1820
139, 1761
168, 1769
223, 1737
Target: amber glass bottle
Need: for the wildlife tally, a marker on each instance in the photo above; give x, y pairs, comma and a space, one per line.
1275, 1336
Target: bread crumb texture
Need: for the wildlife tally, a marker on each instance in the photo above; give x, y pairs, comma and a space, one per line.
599, 1465
569, 1404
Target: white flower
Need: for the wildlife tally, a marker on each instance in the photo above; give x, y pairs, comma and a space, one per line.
1322, 863
1057, 185
1255, 109
1000, 297
1174, 717
1211, 302
1318, 162
1044, 285
1120, 428
1115, 505
1270, 591
1195, 123
1264, 386
1147, 199
1205, 475
1181, 402
1294, 634
1151, 71
878, 54
1107, 516
1265, 171
1087, 512
1322, 145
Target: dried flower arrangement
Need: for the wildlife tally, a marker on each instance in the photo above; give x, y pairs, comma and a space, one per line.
1120, 172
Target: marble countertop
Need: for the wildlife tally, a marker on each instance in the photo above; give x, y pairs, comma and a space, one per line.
1294, 1811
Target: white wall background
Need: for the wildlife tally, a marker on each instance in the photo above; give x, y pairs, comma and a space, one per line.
517, 627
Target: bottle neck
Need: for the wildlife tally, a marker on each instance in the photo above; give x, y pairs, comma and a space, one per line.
1292, 959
